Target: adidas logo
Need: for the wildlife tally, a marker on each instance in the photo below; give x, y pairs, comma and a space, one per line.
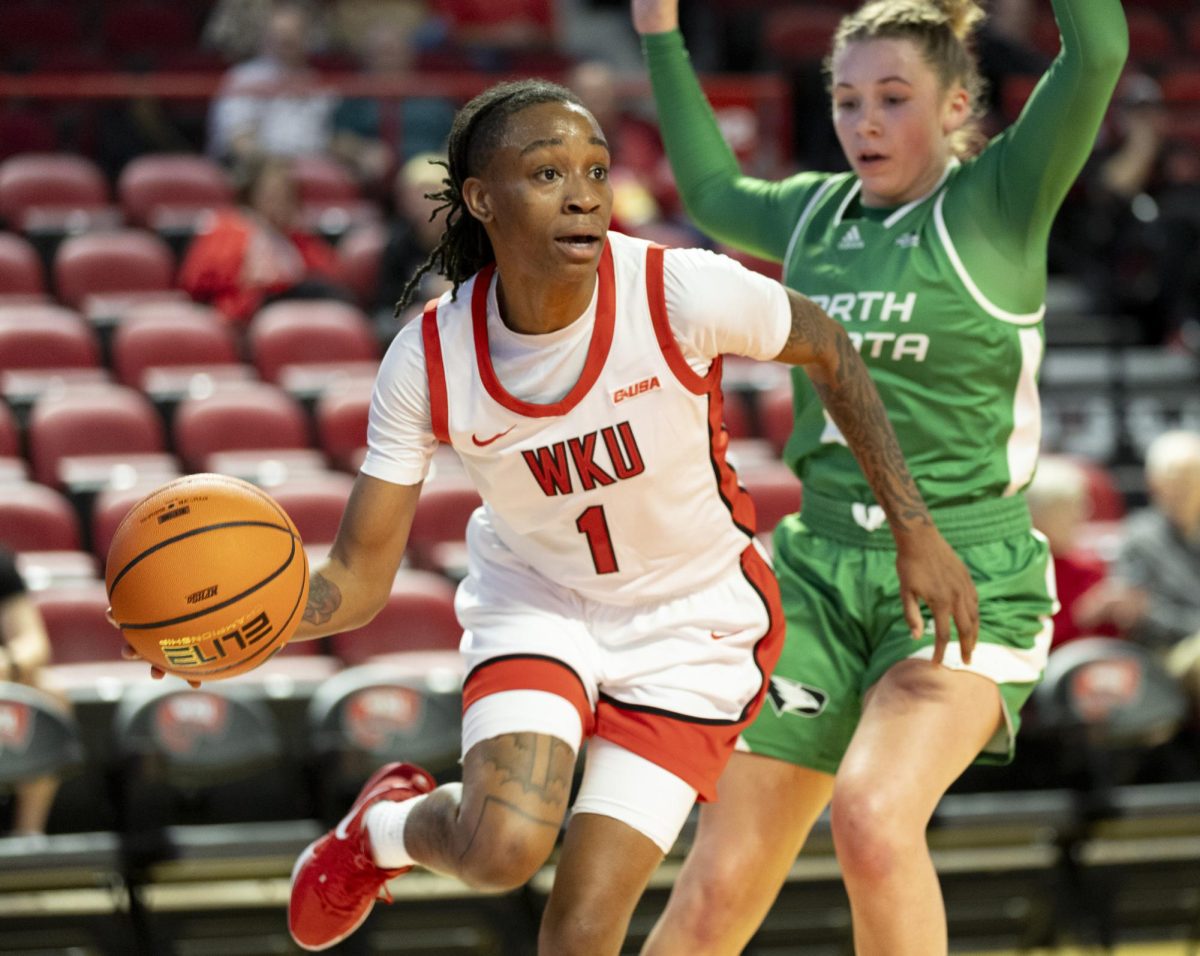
852, 239
910, 240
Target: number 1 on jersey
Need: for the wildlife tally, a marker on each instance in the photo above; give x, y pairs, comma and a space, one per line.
594, 525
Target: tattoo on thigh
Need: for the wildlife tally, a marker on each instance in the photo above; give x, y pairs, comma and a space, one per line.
539, 764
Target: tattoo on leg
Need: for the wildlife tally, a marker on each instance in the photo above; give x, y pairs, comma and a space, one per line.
324, 598
540, 766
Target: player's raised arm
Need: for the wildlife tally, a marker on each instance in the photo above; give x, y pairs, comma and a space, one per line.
353, 583
929, 569
655, 16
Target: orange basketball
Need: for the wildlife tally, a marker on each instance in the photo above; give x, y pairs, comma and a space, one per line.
207, 577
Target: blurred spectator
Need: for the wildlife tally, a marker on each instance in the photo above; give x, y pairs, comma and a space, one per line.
1156, 577
1006, 50
24, 655
1058, 502
1178, 208
249, 118
257, 252
1144, 217
234, 28
414, 233
372, 135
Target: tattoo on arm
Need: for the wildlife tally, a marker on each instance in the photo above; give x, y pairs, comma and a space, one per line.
324, 598
845, 388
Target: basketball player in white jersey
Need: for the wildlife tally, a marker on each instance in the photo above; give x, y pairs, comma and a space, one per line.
615, 590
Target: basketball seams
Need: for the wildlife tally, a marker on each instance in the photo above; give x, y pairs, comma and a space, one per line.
189, 534
228, 601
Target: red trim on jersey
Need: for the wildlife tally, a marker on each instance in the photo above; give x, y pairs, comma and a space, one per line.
657, 297
435, 371
736, 498
766, 652
527, 672
740, 505
694, 750
602, 336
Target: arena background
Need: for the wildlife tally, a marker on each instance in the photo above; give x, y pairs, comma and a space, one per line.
180, 812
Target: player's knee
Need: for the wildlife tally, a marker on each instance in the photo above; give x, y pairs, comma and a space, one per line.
706, 909
867, 833
504, 858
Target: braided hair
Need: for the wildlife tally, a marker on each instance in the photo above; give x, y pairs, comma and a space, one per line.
477, 129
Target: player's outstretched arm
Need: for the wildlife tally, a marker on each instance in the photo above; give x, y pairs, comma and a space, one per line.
353, 583
655, 16
929, 569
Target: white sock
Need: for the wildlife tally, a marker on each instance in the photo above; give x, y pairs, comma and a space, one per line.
385, 829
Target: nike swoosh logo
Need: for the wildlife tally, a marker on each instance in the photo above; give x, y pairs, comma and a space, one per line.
716, 637
480, 443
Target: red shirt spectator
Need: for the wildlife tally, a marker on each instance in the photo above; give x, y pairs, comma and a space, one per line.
256, 251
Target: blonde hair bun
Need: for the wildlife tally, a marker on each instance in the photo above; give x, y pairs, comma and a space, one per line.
962, 15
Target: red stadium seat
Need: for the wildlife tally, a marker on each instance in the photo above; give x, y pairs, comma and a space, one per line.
33, 26
36, 181
736, 419
98, 425
162, 188
109, 508
34, 517
1106, 503
440, 526
183, 335
1182, 87
10, 433
13, 464
76, 623
775, 416
309, 333
800, 33
26, 130
775, 490
249, 416
324, 181
329, 195
141, 27
419, 615
121, 261
315, 504
358, 255
21, 271
46, 337
341, 419
1151, 38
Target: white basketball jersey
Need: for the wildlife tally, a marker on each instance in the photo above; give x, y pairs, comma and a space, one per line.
621, 490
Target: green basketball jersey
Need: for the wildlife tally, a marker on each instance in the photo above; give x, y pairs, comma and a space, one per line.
956, 372
944, 296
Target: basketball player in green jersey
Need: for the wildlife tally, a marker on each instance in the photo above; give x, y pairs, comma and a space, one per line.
934, 257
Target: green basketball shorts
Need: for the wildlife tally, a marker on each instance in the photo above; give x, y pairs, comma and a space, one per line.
846, 626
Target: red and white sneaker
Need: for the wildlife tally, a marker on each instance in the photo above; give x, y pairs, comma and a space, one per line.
336, 882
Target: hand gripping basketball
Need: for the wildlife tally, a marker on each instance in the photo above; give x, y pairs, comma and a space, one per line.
207, 577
